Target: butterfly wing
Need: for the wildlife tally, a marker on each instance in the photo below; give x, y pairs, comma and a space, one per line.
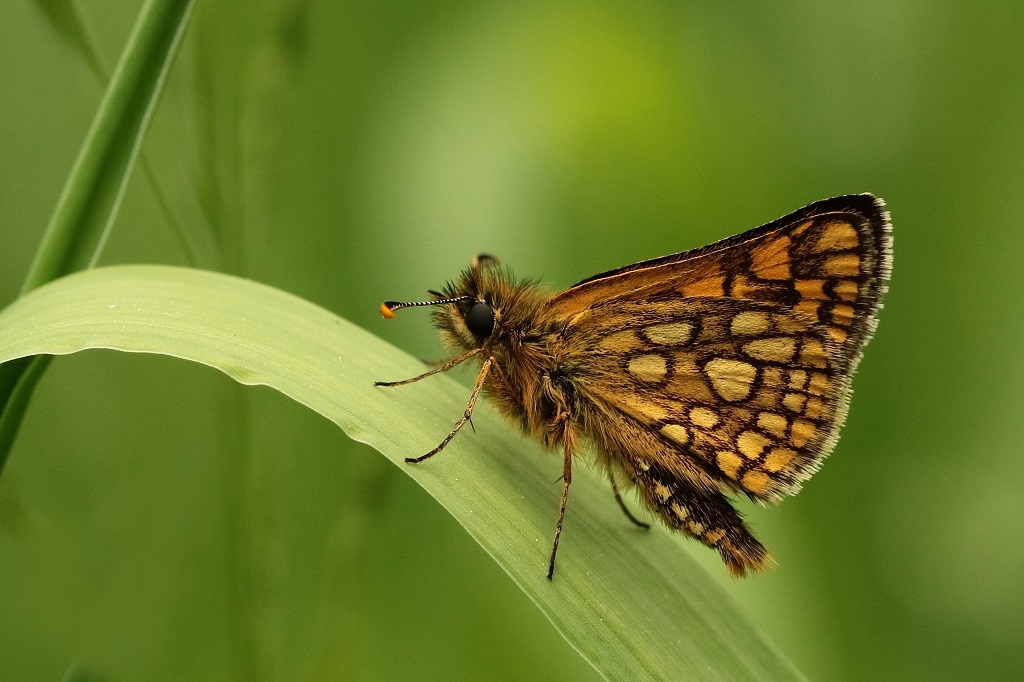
740, 352
828, 262
727, 367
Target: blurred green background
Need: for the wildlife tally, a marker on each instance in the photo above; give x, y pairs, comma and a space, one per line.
159, 521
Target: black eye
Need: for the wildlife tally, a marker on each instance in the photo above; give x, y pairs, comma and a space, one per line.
480, 320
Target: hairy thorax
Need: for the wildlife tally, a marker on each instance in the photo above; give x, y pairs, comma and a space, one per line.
524, 381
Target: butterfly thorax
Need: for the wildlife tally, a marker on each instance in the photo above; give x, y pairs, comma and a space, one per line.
521, 381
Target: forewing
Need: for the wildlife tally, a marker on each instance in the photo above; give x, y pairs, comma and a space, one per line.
828, 262
737, 356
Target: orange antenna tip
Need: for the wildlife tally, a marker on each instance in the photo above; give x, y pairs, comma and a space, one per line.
387, 312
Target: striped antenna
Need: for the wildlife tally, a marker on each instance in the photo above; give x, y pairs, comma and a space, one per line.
388, 308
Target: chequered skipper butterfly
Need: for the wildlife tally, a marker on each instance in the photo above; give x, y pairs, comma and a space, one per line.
719, 370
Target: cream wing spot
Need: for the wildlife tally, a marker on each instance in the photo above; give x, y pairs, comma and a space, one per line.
751, 444
662, 491
794, 402
818, 384
749, 323
814, 408
703, 417
756, 481
670, 334
729, 463
771, 376
774, 424
801, 432
680, 511
778, 349
650, 367
677, 433
778, 458
732, 380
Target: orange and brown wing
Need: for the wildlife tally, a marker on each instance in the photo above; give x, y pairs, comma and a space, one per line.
738, 356
827, 262
739, 395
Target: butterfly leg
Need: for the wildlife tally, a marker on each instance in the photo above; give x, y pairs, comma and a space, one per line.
443, 368
566, 480
477, 387
622, 504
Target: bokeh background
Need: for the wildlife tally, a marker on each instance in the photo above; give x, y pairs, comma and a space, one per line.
159, 521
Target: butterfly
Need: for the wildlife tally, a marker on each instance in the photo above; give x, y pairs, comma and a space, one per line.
722, 370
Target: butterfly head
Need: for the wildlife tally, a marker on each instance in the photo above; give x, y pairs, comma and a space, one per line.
478, 308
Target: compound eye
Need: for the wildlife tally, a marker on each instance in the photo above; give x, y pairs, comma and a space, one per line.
480, 320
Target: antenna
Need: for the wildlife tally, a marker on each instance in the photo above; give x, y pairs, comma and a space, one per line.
388, 308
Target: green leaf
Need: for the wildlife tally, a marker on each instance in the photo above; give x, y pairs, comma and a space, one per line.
631, 602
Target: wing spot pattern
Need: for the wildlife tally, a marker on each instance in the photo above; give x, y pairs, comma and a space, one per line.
811, 288
847, 289
774, 424
771, 261
814, 408
794, 402
751, 444
819, 384
813, 354
670, 334
777, 349
778, 459
729, 463
843, 265
839, 236
650, 367
801, 432
703, 417
749, 323
732, 380
756, 481
677, 433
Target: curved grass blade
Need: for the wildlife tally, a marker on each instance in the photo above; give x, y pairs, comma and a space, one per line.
632, 603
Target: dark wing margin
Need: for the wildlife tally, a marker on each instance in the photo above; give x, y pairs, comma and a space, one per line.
867, 205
